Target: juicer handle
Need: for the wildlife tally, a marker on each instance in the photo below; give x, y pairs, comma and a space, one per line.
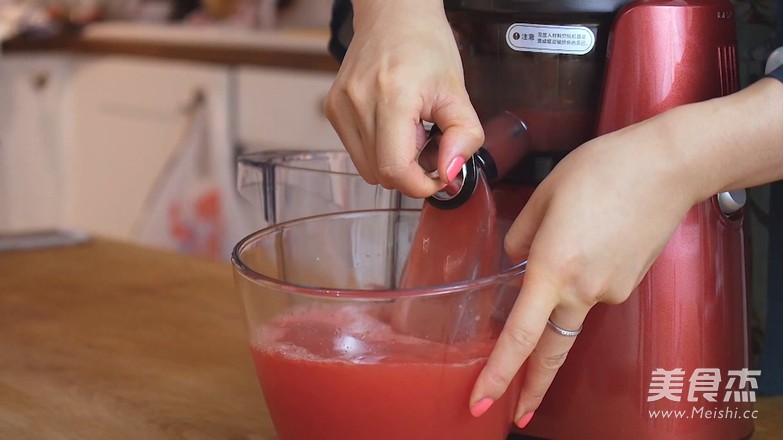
730, 202
255, 180
506, 142
774, 61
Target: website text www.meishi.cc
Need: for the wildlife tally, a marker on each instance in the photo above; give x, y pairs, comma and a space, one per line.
706, 413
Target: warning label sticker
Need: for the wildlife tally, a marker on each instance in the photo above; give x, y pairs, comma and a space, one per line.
573, 40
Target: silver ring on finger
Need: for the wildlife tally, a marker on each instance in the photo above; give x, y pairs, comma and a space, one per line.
562, 331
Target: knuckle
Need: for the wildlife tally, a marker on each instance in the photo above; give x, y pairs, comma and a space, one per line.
384, 183
571, 264
370, 178
534, 398
573, 273
355, 93
513, 247
390, 174
368, 175
610, 299
592, 291
475, 133
498, 381
521, 339
551, 362
391, 82
597, 292
331, 105
590, 296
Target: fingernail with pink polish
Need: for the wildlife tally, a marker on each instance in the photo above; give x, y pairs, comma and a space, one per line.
524, 420
481, 407
454, 168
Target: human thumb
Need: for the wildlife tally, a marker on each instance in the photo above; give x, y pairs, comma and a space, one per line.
462, 136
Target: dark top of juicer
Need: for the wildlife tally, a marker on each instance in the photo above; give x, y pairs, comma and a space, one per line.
538, 6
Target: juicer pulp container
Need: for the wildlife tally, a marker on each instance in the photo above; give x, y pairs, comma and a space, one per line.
287, 185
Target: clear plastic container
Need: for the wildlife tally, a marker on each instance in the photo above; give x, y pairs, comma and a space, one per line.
287, 185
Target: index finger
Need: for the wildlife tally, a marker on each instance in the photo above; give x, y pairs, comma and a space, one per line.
397, 150
524, 327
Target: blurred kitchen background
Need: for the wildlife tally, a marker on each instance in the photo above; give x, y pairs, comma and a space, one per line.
123, 118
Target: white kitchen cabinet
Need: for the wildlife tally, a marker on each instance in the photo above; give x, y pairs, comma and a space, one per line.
85, 139
31, 173
283, 109
128, 119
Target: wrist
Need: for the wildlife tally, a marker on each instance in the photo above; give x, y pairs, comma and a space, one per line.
731, 142
369, 13
661, 153
687, 147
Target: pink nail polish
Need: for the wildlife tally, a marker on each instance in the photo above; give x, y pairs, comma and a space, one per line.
454, 168
524, 420
481, 407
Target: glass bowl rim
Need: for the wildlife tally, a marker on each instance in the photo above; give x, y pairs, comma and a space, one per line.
383, 294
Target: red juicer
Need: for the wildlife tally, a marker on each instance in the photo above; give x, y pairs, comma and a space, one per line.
672, 361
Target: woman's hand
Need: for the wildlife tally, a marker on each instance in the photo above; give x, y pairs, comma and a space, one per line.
590, 232
402, 67
598, 221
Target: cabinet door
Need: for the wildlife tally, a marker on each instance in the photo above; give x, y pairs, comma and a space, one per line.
129, 117
31, 168
283, 109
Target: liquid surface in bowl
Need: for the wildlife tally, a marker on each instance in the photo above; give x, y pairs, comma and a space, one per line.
342, 373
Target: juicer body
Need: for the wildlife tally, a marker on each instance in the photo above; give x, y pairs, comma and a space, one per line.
667, 53
687, 319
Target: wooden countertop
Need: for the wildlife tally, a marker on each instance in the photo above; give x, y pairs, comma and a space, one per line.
292, 49
115, 341
109, 340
